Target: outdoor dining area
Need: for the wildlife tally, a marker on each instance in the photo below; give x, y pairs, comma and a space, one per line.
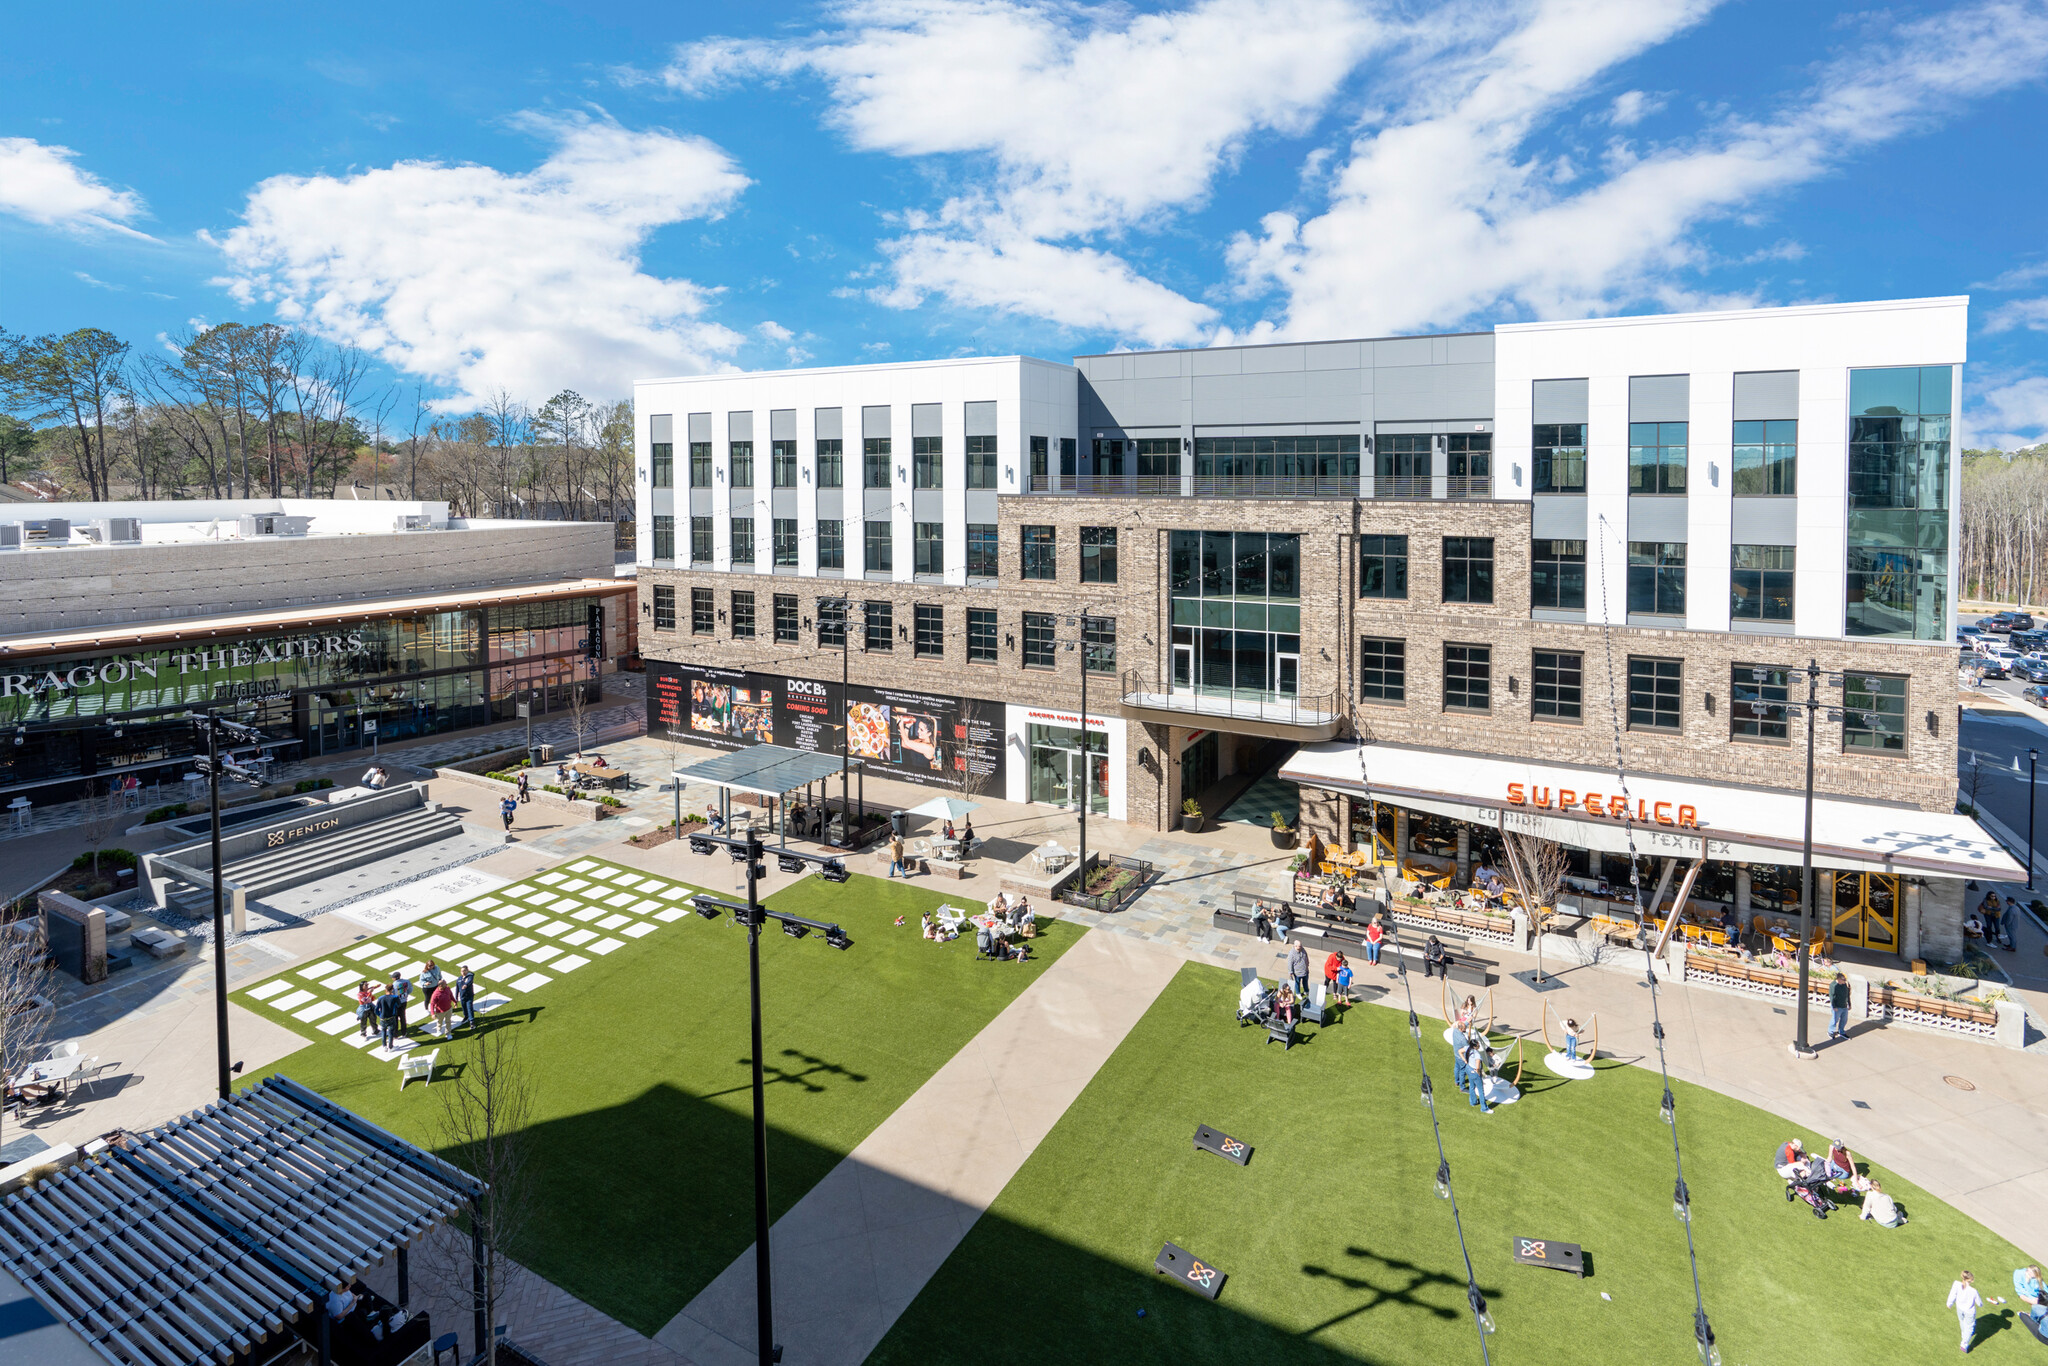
785, 793
59, 1076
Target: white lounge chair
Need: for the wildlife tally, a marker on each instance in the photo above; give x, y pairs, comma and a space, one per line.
417, 1064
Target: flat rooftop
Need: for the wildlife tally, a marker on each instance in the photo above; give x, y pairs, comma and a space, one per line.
217, 521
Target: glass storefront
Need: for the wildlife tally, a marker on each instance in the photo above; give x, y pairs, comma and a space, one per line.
1060, 770
1236, 614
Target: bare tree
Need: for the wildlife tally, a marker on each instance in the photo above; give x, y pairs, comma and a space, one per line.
100, 814
1540, 869
486, 1108
579, 707
25, 1009
77, 378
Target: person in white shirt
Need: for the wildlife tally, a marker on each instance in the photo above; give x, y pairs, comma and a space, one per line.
1881, 1208
1964, 1299
341, 1302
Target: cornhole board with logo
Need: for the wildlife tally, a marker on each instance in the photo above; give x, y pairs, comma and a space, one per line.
1222, 1144
1183, 1266
1552, 1253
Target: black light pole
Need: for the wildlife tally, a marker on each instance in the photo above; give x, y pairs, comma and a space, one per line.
220, 934
753, 915
1800, 1046
1087, 756
2033, 757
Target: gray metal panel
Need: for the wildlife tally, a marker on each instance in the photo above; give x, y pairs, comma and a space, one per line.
1400, 351
1094, 410
782, 502
981, 506
1472, 350
831, 504
1762, 395
877, 505
1154, 394
700, 426
661, 502
741, 501
1107, 367
1560, 400
1656, 518
1558, 516
1333, 356
739, 426
1218, 362
1266, 359
1273, 384
874, 421
661, 428
926, 419
1766, 521
782, 424
928, 505
1421, 392
1158, 365
1334, 383
1660, 398
981, 418
700, 502
1206, 412
828, 423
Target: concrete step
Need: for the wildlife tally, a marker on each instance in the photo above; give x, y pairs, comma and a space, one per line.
288, 868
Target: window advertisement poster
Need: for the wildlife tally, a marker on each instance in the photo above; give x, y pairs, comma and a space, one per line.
937, 740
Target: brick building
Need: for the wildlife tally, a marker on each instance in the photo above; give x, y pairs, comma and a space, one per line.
1509, 561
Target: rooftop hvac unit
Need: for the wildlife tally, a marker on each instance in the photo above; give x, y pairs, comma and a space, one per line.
47, 531
10, 535
413, 521
274, 524
116, 530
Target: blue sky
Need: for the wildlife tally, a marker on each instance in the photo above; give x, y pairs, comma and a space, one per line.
526, 197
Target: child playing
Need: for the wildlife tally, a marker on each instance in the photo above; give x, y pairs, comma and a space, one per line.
1344, 983
1571, 1039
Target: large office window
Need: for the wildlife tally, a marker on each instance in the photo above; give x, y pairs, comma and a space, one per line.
1559, 457
1760, 583
831, 543
785, 619
700, 540
1039, 476
662, 467
1468, 677
1332, 458
831, 623
1098, 554
831, 462
664, 607
664, 538
1068, 447
929, 632
1656, 578
700, 464
981, 550
1382, 566
782, 464
743, 464
1098, 644
1557, 575
880, 554
927, 462
981, 462
981, 635
1656, 457
1766, 458
1158, 457
743, 616
703, 616
1899, 435
1236, 610
1403, 456
784, 530
1039, 645
1109, 458
1655, 695
880, 620
1038, 547
1874, 713
928, 548
742, 542
1468, 569
1383, 670
1469, 455
1559, 692
1757, 696
874, 456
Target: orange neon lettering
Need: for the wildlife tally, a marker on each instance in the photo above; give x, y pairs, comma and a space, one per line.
1566, 799
1515, 794
1595, 804
1689, 818
1663, 813
1617, 807
1540, 796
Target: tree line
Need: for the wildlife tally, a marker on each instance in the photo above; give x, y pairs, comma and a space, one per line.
2004, 516
247, 410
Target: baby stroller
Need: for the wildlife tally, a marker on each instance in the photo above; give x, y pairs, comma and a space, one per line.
1254, 999
1812, 1188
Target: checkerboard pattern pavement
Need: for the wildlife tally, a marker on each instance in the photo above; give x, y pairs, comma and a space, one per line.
516, 939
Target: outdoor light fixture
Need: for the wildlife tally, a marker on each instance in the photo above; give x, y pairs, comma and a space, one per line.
1703, 1334
836, 938
1681, 1203
1443, 1180
794, 929
1758, 709
699, 846
1478, 1303
1426, 1098
789, 864
705, 909
1759, 675
1415, 1031
1664, 1111
1710, 704
832, 870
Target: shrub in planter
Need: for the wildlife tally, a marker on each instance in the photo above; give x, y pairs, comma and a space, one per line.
1191, 816
108, 858
1283, 833
164, 813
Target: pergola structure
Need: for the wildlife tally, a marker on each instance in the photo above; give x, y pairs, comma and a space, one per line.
774, 771
209, 1238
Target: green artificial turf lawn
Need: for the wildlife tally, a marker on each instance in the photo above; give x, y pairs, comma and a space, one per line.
642, 1133
1337, 1248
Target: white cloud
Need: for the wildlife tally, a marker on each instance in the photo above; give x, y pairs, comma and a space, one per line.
1082, 122
2032, 314
774, 331
2010, 414
96, 283
1442, 215
1631, 107
479, 279
40, 182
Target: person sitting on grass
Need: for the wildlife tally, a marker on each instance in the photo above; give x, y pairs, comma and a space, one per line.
1026, 919
1880, 1208
1840, 1163
2026, 1283
1791, 1161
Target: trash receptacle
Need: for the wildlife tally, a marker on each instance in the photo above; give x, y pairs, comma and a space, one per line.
899, 824
546, 752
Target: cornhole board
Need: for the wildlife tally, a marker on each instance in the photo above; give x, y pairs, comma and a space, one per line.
1551, 1253
1191, 1271
1222, 1144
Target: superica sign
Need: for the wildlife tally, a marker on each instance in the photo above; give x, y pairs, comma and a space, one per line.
125, 667
1567, 800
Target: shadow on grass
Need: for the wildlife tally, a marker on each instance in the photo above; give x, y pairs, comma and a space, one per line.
773, 1074
1417, 1278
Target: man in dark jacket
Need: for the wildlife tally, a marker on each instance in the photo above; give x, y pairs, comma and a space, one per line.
1433, 959
387, 1016
465, 996
1838, 1007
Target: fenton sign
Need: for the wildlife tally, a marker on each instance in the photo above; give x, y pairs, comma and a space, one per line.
1567, 800
123, 668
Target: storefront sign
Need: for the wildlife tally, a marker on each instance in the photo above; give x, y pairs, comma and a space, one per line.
1069, 719
278, 837
1567, 799
124, 667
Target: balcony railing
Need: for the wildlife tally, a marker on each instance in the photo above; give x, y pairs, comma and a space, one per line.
1420, 488
1318, 711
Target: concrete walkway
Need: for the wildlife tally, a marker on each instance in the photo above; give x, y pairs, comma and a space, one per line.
853, 1252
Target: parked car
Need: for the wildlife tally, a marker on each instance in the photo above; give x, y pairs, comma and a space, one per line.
1989, 666
2029, 642
2033, 670
2037, 694
1996, 625
2020, 621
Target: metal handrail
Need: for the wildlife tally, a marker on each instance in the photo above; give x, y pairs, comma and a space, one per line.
1401, 487
1141, 688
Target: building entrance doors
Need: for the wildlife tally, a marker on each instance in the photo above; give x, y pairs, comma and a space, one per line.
1866, 911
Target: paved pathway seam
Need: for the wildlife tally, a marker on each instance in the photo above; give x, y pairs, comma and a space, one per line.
857, 1248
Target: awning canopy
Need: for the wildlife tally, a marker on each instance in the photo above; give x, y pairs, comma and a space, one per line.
1670, 816
197, 1241
772, 769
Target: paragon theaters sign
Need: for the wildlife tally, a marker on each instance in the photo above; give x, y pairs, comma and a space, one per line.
1569, 802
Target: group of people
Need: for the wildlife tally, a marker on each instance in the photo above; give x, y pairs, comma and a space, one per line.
2027, 1287
386, 1007
1014, 922
1835, 1171
1994, 920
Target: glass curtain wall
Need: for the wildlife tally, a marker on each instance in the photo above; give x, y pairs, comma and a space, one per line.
1236, 614
1899, 435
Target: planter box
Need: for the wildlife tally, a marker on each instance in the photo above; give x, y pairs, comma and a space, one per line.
1141, 872
1461, 924
1752, 978
1932, 1012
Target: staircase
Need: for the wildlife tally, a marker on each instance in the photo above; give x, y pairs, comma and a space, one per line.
281, 869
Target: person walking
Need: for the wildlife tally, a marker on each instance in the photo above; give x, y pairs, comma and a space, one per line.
441, 1011
896, 868
525, 787
1964, 1299
508, 809
465, 996
1838, 1007
388, 1016
1297, 968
